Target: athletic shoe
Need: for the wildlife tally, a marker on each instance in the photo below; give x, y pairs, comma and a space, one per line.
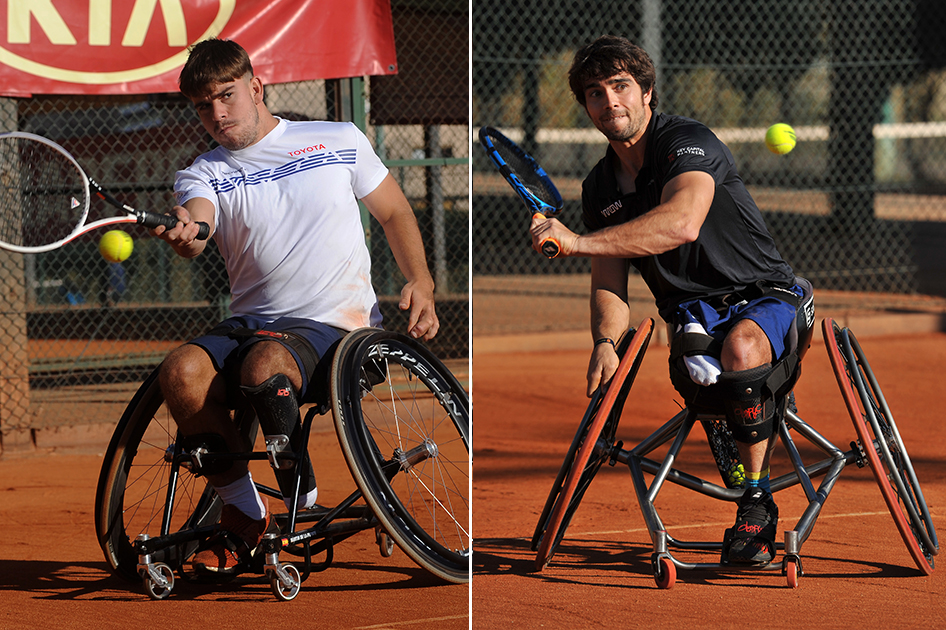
229, 550
753, 535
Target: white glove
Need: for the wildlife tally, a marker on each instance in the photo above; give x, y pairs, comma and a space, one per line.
703, 369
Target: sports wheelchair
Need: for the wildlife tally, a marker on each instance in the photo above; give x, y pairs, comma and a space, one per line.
878, 445
402, 420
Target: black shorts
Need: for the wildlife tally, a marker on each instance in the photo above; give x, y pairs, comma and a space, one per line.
307, 341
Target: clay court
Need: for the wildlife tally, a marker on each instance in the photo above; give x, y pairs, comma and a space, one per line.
528, 400
53, 574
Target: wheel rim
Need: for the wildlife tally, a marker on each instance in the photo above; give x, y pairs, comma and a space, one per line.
404, 429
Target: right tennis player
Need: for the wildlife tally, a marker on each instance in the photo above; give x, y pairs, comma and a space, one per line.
667, 199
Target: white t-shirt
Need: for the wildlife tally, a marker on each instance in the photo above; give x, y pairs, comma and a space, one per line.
288, 223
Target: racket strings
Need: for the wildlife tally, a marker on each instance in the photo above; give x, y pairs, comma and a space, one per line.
42, 194
526, 171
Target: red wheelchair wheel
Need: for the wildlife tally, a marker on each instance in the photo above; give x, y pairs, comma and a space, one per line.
882, 445
592, 446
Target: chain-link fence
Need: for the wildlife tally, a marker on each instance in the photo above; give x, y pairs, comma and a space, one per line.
79, 333
857, 206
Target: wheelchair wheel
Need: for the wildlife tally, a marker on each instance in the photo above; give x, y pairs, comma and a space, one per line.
135, 493
592, 446
403, 422
881, 444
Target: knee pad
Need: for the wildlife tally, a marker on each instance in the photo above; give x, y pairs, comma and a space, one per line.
202, 447
748, 404
277, 408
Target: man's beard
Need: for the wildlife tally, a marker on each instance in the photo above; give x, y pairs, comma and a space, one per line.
632, 128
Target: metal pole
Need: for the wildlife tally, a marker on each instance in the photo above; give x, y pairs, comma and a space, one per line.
436, 205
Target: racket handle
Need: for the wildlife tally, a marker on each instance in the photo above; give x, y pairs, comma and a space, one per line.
151, 220
550, 246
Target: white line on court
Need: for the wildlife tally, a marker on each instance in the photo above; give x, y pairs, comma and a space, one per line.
399, 624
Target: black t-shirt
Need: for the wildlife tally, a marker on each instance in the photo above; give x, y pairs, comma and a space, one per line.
734, 249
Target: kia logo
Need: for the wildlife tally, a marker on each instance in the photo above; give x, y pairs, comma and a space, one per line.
104, 42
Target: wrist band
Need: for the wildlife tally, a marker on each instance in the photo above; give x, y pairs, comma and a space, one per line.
604, 340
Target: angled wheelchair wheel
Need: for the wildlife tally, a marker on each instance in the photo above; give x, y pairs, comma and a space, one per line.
140, 491
403, 422
881, 444
593, 445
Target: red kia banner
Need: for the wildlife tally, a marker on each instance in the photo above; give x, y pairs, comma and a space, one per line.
139, 46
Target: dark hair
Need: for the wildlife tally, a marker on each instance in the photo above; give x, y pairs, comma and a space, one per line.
211, 62
607, 56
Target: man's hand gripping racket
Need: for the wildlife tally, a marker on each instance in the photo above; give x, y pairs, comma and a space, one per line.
45, 197
527, 178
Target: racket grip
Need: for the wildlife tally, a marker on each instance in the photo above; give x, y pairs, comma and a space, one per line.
551, 248
154, 220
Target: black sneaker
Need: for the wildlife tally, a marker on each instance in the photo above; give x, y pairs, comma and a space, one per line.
753, 535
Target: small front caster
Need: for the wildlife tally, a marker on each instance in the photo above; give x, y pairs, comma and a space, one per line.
158, 580
385, 542
791, 569
665, 572
285, 581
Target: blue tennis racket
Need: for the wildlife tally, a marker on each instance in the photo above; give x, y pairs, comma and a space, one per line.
526, 177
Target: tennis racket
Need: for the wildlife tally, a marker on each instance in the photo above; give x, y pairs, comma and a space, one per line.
45, 197
526, 177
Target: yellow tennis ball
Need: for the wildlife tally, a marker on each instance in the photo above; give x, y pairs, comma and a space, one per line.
780, 138
116, 246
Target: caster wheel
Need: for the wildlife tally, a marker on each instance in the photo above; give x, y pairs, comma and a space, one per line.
665, 573
792, 572
385, 542
160, 586
285, 582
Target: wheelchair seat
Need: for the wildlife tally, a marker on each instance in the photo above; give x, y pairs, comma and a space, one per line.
785, 372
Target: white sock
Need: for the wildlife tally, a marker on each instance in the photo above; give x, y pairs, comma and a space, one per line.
306, 500
242, 494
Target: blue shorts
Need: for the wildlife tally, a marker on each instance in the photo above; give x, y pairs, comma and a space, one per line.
774, 316
309, 338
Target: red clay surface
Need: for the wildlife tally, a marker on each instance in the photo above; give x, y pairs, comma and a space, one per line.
858, 572
53, 574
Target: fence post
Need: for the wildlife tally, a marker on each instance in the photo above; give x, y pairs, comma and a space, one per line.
15, 431
14, 359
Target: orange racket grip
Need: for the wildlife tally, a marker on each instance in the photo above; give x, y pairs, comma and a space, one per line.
550, 247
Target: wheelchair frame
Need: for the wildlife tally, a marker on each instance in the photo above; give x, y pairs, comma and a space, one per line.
879, 445
402, 420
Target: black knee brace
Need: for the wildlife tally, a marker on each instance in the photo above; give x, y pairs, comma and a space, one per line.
202, 447
748, 404
277, 408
